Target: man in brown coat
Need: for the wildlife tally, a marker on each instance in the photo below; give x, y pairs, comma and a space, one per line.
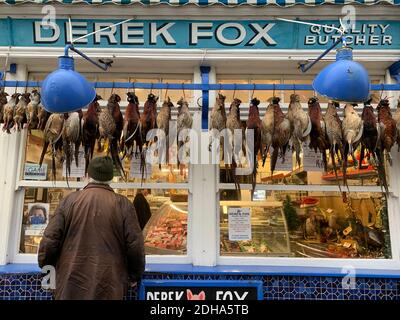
94, 240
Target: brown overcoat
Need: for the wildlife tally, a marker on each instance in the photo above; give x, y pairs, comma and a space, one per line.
95, 243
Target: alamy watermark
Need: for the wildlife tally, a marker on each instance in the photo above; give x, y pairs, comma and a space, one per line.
49, 279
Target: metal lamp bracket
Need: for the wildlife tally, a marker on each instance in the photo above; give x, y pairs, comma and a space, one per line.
103, 64
304, 67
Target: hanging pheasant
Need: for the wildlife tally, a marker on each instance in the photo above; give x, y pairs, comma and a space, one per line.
318, 139
148, 119
233, 123
217, 119
254, 123
280, 135
32, 110
387, 128
369, 142
52, 136
111, 124
90, 129
267, 130
131, 132
333, 129
300, 125
352, 132
163, 120
3, 102
184, 122
71, 137
9, 110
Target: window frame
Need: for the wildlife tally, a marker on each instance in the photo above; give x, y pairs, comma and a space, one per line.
203, 242
393, 203
15, 256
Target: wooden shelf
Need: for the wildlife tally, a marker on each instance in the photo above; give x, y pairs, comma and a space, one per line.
353, 174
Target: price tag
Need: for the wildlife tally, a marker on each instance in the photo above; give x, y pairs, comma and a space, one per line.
76, 171
137, 170
312, 161
239, 221
287, 165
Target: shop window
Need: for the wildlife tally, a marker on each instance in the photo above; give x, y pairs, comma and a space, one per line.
165, 186
304, 224
304, 210
265, 95
175, 95
243, 95
304, 94
164, 234
167, 173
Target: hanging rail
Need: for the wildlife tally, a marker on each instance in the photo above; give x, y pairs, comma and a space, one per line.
194, 86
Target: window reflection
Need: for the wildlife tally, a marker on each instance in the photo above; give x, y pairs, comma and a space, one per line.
309, 224
165, 232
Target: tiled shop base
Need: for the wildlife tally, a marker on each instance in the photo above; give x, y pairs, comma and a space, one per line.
28, 287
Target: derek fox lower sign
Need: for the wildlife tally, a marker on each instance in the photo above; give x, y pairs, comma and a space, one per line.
200, 290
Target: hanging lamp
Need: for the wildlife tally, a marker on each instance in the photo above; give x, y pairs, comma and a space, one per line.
343, 80
66, 90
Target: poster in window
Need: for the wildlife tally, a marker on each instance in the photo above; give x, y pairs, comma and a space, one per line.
239, 221
37, 218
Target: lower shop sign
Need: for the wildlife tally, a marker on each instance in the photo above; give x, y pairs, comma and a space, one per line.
200, 290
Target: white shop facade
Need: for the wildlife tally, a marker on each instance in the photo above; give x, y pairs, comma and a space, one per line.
297, 224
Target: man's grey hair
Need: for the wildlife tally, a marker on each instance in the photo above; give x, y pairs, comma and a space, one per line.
91, 180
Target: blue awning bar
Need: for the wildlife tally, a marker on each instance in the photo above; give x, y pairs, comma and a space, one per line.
193, 86
205, 3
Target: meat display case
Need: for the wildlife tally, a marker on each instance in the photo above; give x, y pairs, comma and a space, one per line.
270, 235
166, 231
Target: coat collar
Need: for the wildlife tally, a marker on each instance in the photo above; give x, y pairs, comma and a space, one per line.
98, 185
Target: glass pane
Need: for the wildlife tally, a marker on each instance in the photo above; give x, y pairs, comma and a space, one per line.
175, 95
243, 95
264, 95
311, 170
304, 94
165, 233
132, 165
305, 224
142, 94
39, 207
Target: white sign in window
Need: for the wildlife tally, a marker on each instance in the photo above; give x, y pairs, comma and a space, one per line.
137, 170
35, 172
76, 171
312, 161
239, 220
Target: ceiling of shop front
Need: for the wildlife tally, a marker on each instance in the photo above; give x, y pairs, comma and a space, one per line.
227, 66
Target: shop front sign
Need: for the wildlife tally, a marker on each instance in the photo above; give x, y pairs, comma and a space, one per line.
182, 34
235, 290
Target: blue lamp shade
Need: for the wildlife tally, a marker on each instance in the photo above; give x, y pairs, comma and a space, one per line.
65, 90
344, 80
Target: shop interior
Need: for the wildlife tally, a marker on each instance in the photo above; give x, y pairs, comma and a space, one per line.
306, 223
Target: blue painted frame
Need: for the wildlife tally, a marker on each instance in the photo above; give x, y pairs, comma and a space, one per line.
205, 80
201, 283
193, 86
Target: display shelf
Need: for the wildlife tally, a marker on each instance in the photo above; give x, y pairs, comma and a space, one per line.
352, 174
